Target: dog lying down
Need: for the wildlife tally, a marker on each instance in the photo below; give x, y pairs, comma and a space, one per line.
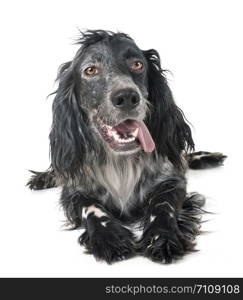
120, 148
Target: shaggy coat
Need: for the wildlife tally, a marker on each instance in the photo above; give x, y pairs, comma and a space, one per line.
119, 149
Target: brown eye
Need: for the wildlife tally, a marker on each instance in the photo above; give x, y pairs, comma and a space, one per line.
137, 65
91, 71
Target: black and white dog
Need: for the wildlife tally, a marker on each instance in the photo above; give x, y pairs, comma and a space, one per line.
120, 148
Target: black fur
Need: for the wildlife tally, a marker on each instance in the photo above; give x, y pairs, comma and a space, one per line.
42, 180
87, 168
167, 124
203, 160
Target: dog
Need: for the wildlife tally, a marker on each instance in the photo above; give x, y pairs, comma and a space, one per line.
120, 147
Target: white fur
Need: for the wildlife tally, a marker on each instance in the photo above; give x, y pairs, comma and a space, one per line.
152, 217
104, 223
119, 177
93, 209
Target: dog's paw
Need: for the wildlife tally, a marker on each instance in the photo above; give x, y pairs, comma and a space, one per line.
42, 180
203, 159
164, 247
110, 243
164, 244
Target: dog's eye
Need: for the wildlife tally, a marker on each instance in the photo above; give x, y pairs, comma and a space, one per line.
137, 65
91, 71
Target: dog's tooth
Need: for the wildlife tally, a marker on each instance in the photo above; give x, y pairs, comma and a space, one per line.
124, 140
109, 132
135, 132
120, 139
129, 140
115, 135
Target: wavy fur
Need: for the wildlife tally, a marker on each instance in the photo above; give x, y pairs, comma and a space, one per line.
105, 192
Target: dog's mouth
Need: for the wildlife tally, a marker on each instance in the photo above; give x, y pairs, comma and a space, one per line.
128, 135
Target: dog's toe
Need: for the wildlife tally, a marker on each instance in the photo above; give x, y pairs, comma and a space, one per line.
164, 249
112, 243
42, 180
204, 160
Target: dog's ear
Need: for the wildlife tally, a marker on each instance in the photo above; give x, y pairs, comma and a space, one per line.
69, 137
167, 123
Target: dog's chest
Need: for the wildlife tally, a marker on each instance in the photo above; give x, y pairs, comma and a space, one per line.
127, 181
119, 178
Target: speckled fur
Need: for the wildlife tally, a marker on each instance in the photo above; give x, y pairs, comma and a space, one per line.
104, 191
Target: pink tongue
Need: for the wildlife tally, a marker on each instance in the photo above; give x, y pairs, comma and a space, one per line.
144, 136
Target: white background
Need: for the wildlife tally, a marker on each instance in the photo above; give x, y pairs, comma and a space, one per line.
201, 43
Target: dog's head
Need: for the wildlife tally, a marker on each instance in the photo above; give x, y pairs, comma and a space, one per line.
114, 96
113, 91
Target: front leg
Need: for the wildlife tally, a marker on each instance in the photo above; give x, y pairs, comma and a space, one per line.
162, 239
104, 236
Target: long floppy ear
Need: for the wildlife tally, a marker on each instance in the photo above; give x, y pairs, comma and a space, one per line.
69, 134
167, 124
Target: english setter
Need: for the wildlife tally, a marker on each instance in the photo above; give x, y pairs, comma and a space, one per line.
119, 149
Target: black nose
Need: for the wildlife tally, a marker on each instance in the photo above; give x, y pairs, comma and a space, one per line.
126, 99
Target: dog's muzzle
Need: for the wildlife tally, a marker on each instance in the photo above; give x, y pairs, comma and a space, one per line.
129, 135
